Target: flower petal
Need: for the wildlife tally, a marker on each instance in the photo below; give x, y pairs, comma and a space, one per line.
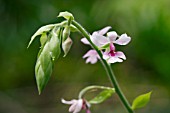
92, 56
68, 102
91, 60
78, 106
112, 36
72, 107
112, 47
104, 30
120, 54
106, 55
99, 40
114, 60
90, 53
85, 41
123, 40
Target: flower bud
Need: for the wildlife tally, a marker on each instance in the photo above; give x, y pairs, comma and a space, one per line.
66, 45
66, 33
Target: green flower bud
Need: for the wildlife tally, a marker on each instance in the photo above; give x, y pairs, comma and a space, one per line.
66, 33
46, 56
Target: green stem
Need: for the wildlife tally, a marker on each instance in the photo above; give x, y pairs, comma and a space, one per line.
107, 68
83, 91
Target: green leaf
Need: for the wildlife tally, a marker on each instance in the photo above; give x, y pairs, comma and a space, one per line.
46, 56
41, 30
66, 15
102, 96
141, 100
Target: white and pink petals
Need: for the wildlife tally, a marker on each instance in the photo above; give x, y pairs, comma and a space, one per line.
112, 36
104, 30
123, 40
92, 56
99, 40
106, 55
85, 41
118, 57
114, 60
120, 54
112, 47
111, 56
68, 102
76, 105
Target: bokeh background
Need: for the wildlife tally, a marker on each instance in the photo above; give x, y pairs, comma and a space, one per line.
148, 55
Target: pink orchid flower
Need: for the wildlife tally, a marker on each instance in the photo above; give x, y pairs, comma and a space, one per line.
111, 56
77, 105
92, 56
101, 41
97, 37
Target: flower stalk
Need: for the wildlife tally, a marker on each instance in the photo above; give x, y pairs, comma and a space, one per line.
83, 91
107, 68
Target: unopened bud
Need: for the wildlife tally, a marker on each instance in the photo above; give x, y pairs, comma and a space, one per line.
66, 45
43, 39
66, 33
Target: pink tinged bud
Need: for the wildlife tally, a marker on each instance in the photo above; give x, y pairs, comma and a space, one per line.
123, 40
92, 56
66, 45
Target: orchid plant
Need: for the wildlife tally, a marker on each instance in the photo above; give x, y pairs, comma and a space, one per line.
56, 38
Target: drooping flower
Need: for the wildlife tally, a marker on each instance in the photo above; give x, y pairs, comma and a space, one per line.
92, 56
77, 105
111, 56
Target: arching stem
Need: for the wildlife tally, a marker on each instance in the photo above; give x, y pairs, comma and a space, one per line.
107, 68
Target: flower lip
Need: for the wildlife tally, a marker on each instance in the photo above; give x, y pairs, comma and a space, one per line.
112, 50
113, 56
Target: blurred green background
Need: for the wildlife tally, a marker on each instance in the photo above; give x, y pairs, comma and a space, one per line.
148, 55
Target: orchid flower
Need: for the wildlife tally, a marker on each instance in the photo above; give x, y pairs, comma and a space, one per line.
77, 105
92, 56
106, 42
111, 56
